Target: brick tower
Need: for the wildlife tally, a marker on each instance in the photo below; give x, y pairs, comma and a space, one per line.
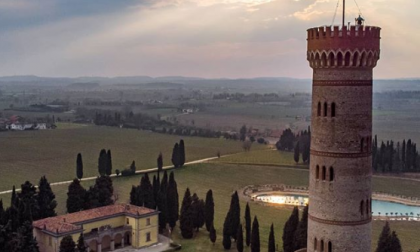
340, 191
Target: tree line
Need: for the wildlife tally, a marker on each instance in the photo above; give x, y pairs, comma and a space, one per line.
26, 206
390, 157
299, 143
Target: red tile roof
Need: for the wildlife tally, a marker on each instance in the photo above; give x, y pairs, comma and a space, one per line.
72, 222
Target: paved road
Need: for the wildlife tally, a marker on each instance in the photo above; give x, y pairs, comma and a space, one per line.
114, 175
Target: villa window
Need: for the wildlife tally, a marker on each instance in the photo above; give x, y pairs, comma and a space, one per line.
50, 241
331, 174
324, 173
333, 109
317, 172
128, 221
325, 109
148, 222
148, 237
329, 247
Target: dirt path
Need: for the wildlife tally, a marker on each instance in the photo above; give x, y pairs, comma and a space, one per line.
114, 175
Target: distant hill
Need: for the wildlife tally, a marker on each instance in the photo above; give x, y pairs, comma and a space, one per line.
263, 84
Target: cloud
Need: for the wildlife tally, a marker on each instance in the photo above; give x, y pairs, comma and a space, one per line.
209, 38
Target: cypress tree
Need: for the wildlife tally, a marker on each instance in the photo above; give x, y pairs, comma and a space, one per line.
289, 231
156, 188
79, 166
175, 156
197, 207
28, 196
102, 192
163, 207
255, 236
146, 189
159, 164
395, 244
186, 224
46, 199
403, 152
247, 225
209, 210
108, 163
25, 239
181, 153
271, 240
301, 234
2, 213
173, 201
212, 235
67, 244
384, 239
81, 247
240, 239
164, 182
227, 226
133, 167
102, 162
297, 151
235, 215
134, 199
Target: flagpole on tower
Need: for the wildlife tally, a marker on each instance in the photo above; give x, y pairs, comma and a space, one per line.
344, 12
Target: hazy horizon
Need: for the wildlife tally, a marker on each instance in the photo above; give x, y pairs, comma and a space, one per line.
201, 38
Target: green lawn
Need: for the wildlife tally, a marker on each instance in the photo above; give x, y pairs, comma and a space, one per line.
28, 155
223, 179
262, 157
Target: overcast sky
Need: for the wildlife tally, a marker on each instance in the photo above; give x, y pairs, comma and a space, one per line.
202, 38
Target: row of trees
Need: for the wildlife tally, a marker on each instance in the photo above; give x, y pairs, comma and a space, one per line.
161, 195
195, 213
295, 232
299, 143
101, 194
16, 221
233, 229
391, 157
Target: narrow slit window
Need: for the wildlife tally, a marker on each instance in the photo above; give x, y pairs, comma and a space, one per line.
324, 173
331, 174
362, 210
319, 109
325, 109
317, 172
333, 109
329, 247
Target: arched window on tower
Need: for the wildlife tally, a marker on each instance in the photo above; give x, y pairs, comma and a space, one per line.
356, 59
315, 244
329, 246
317, 172
331, 174
319, 109
324, 173
331, 59
347, 59
333, 109
325, 109
322, 246
362, 207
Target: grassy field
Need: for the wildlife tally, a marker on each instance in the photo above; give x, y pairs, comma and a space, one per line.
28, 155
223, 179
262, 157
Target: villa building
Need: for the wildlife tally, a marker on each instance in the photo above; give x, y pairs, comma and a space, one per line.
105, 228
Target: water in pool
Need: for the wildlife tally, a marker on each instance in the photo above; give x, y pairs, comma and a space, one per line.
379, 208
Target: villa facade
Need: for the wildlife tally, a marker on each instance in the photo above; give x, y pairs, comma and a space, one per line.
105, 228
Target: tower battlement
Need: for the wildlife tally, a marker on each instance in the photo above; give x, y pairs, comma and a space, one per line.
332, 47
353, 37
